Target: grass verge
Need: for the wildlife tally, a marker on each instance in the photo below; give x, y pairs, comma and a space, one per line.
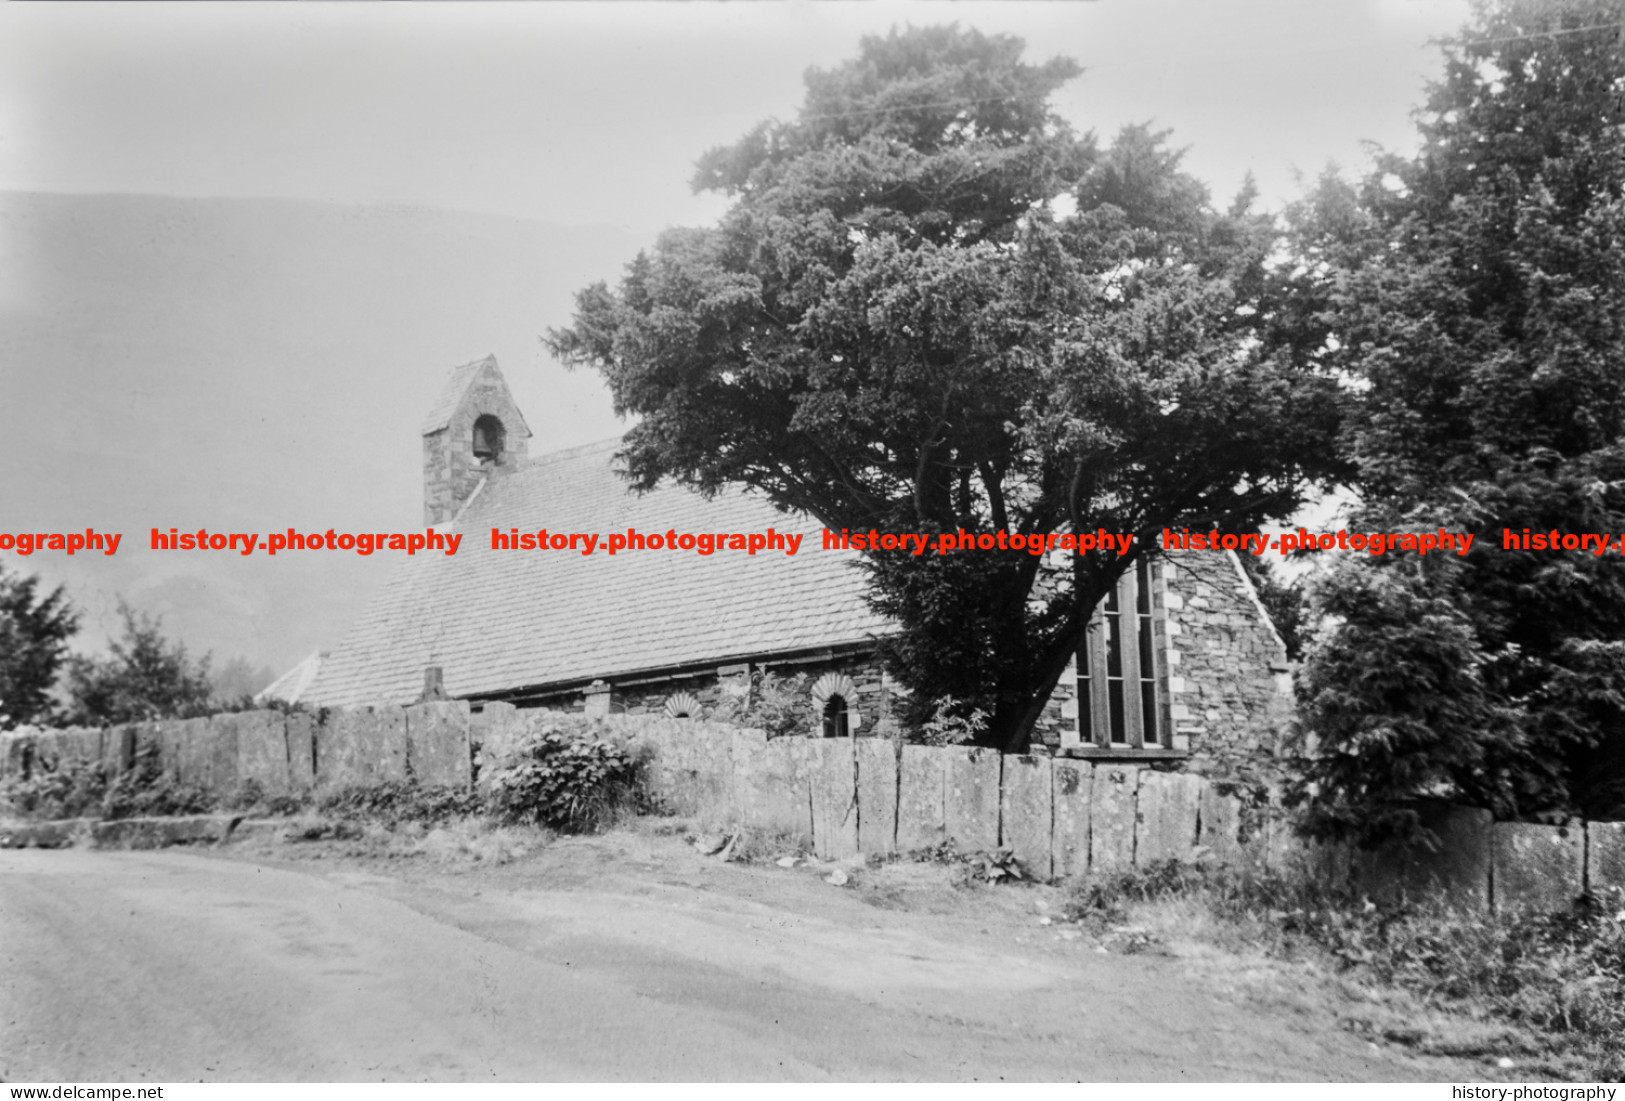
1547, 989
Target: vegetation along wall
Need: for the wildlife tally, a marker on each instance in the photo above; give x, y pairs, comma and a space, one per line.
844, 796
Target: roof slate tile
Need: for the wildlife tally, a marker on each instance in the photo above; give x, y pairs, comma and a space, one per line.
496, 620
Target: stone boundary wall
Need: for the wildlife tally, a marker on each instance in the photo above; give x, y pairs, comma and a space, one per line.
281, 753
839, 797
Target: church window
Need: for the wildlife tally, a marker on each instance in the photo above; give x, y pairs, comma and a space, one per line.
1122, 670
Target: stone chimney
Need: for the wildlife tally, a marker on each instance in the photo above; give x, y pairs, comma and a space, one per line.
474, 431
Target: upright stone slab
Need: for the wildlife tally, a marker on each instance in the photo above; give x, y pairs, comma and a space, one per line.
192, 752
1070, 783
437, 745
362, 745
921, 823
219, 754
834, 797
1452, 868
262, 749
673, 773
495, 733
670, 771
10, 755
748, 753
16, 754
1537, 867
81, 743
118, 747
1111, 818
46, 751
786, 793
1220, 814
300, 729
877, 795
971, 809
1605, 856
1027, 812
1168, 807
711, 757
148, 744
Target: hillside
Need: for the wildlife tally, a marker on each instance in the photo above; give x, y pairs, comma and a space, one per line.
250, 365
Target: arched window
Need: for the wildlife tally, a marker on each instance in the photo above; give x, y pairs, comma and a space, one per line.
488, 439
837, 723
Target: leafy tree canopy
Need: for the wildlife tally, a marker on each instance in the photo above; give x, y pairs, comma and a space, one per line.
145, 676
1474, 296
934, 306
34, 633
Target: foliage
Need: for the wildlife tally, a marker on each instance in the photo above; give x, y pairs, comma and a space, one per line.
1474, 298
951, 723
145, 677
402, 801
69, 788
933, 306
780, 706
571, 785
1559, 977
34, 633
73, 788
146, 790
979, 866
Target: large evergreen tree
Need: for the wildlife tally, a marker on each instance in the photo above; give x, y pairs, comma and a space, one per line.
1474, 299
932, 306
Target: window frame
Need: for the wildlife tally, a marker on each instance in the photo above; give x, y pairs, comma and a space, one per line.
1092, 728
836, 720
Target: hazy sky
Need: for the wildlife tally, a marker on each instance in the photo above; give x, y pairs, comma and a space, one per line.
588, 113
263, 366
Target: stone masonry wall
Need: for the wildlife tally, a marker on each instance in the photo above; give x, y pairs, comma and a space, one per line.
1229, 681
714, 689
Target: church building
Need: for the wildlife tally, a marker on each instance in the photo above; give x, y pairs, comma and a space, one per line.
1182, 666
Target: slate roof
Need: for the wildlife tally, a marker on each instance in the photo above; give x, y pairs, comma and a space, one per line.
498, 620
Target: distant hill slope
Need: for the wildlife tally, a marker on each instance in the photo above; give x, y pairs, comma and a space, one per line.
255, 364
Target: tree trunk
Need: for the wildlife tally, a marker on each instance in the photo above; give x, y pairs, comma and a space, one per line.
1018, 711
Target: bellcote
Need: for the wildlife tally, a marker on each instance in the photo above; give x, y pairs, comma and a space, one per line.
473, 431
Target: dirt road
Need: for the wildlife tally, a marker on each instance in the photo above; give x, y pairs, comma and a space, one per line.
625, 957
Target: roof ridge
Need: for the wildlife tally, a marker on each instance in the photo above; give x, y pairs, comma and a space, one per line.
574, 452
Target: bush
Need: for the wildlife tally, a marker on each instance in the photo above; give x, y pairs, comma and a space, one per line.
780, 706
952, 722
71, 789
571, 785
146, 790
74, 788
